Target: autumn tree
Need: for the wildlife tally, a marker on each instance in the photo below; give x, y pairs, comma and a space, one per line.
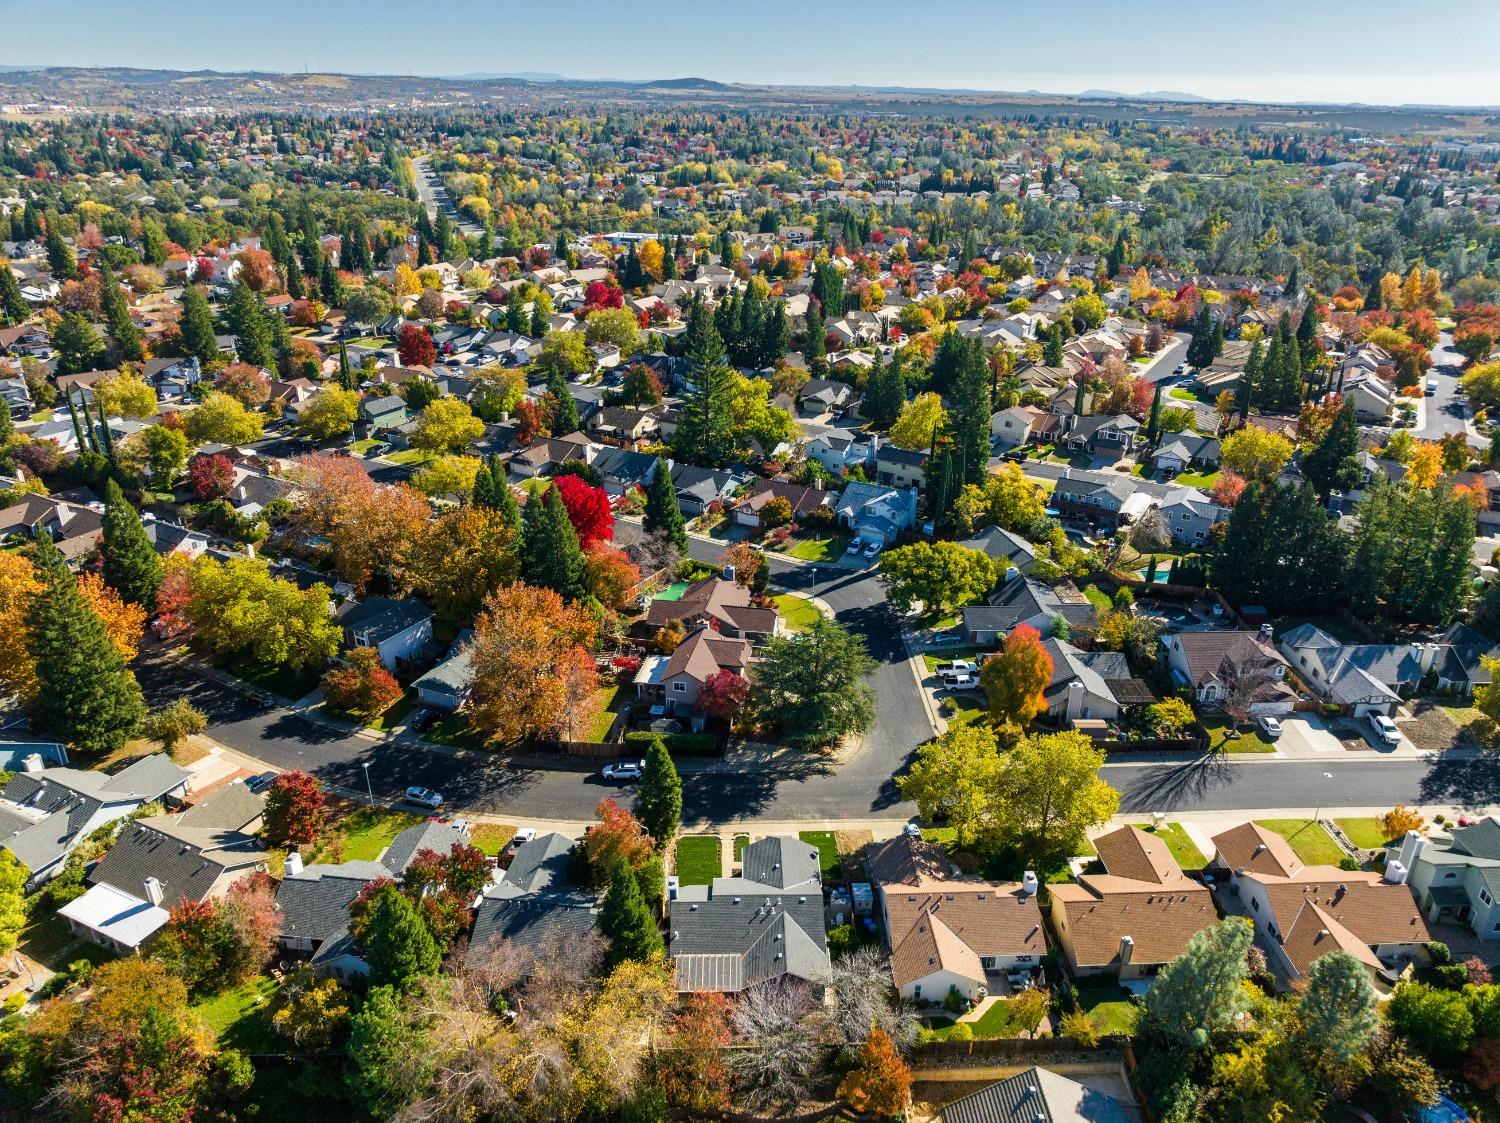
534, 672
609, 574
330, 413
588, 509
360, 685
294, 812
414, 346
220, 419
1015, 677
238, 609
723, 694
1256, 454
880, 1087
447, 425
618, 836
692, 1065
919, 421
211, 475
123, 621
463, 556
372, 528
217, 944
174, 723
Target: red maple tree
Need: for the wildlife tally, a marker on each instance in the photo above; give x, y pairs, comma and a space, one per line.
588, 509
212, 475
414, 346
294, 810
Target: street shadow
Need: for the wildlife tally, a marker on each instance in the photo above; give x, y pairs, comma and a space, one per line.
1170, 786
717, 797
1473, 782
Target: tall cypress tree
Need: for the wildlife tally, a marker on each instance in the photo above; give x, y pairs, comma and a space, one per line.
565, 410
1153, 421
125, 336
13, 306
131, 565
197, 325
87, 697
347, 381
81, 432
504, 498
483, 493
1334, 464
663, 515
815, 351
550, 556
659, 797
1052, 348
625, 920
705, 433
971, 414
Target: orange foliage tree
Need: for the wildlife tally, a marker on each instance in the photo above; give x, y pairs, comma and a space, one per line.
881, 1086
1015, 676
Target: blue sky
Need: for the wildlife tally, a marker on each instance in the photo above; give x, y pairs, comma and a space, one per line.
1380, 51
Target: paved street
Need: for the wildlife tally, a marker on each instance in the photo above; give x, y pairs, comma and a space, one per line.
433, 194
1446, 411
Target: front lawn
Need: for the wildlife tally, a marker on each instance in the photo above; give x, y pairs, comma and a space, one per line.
1109, 1005
1366, 833
609, 699
240, 1017
1249, 740
1197, 479
1183, 850
492, 838
828, 851
798, 613
931, 659
372, 342
535, 486
359, 448
818, 546
399, 710
698, 859
278, 679
1311, 842
412, 456
452, 729
367, 831
967, 708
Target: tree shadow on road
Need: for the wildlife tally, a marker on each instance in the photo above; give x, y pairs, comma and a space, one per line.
718, 797
1170, 786
1474, 782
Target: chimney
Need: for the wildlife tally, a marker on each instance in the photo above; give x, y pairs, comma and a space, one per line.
293, 864
1127, 951
1411, 849
153, 891
1029, 883
727, 573
1075, 701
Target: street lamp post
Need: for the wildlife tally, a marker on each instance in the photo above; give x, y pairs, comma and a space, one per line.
365, 764
1318, 814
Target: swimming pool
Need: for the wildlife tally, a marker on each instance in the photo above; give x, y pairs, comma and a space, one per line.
1444, 1111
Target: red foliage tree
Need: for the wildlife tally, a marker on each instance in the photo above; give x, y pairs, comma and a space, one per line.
414, 346
294, 810
173, 596
723, 694
1015, 676
361, 686
609, 574
600, 295
303, 314
693, 1068
618, 836
588, 509
1227, 489
244, 382
881, 1085
211, 474
531, 422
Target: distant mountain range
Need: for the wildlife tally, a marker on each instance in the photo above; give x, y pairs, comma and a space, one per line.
1149, 95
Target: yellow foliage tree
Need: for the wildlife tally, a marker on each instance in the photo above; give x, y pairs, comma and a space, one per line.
1426, 465
123, 622
18, 583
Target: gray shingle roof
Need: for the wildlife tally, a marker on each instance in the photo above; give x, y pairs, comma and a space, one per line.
783, 862
539, 865
440, 837
315, 903
1037, 1096
186, 860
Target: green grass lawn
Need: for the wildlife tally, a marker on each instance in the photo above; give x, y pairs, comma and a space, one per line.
1249, 740
491, 837
367, 831
698, 859
828, 850
240, 1017
931, 659
359, 448
412, 456
372, 342
610, 700
1183, 850
1098, 598
279, 680
819, 546
740, 842
1197, 479
1366, 833
798, 613
1109, 1005
1312, 843
452, 729
968, 707
535, 486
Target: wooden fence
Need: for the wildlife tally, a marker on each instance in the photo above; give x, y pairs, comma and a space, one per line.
1053, 1049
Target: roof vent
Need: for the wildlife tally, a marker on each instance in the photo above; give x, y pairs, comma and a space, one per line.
692, 908
736, 900
802, 900
675, 933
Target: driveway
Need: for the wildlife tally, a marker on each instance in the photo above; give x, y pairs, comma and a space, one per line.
1307, 735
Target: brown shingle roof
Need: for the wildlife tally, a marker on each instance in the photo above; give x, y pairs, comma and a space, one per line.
705, 653
1132, 853
957, 922
1372, 910
1206, 652
907, 861
1251, 847
1100, 911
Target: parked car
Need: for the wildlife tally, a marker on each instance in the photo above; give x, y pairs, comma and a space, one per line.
424, 797
872, 550
1180, 368
1269, 726
1430, 387
957, 666
258, 784
420, 721
945, 639
1385, 729
522, 836
856, 545
912, 830
960, 681
624, 770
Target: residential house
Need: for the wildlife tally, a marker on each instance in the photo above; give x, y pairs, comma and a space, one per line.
838, 450
1108, 501
1090, 686
544, 455
397, 629
1025, 600
1362, 678
313, 901
1373, 398
1133, 918
1109, 438
1039, 1095
901, 467
1003, 546
1219, 663
698, 487
1190, 515
1455, 879
1021, 425
381, 415
946, 931
448, 685
877, 513
625, 424
534, 905
45, 813
1458, 662
820, 396
718, 602
674, 681
1304, 912
1179, 452
622, 470
749, 510
765, 924
74, 528
161, 862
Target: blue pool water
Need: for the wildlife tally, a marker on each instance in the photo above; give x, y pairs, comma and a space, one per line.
1444, 1111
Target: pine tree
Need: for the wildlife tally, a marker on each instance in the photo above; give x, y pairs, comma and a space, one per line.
483, 493
971, 414
252, 334
397, 943
87, 698
565, 409
658, 802
814, 350
1334, 464
1338, 1013
539, 323
197, 325
1052, 349
516, 319
122, 330
60, 256
663, 515
81, 432
625, 920
705, 433
13, 306
504, 498
550, 557
131, 565
885, 393
1153, 420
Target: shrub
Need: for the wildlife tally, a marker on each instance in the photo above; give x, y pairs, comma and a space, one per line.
1451, 976
1438, 952
961, 1031
841, 940
1400, 819
1081, 1028
954, 1002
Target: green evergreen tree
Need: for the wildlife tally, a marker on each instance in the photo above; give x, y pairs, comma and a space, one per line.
483, 493
387, 1051
123, 333
1338, 1012
131, 566
1201, 992
77, 344
565, 409
1052, 347
663, 515
197, 325
504, 498
885, 393
13, 306
397, 943
658, 802
705, 433
1334, 464
625, 920
61, 259
539, 323
82, 433
1153, 419
347, 380
550, 557
252, 333
87, 696
971, 414
516, 319
815, 350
